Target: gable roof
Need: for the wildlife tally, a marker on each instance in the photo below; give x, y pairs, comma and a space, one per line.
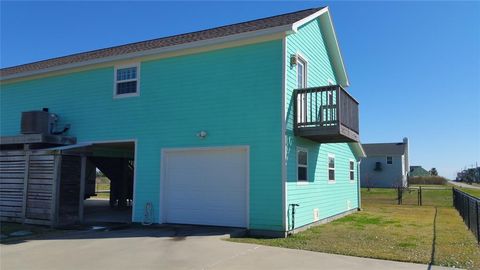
281, 23
382, 149
418, 171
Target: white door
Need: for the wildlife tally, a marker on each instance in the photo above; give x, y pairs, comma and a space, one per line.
206, 186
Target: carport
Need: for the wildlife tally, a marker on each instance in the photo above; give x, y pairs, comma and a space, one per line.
115, 160
56, 186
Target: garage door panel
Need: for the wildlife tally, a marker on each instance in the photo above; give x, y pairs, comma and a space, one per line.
192, 217
206, 187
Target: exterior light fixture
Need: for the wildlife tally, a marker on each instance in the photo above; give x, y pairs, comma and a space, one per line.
293, 60
202, 134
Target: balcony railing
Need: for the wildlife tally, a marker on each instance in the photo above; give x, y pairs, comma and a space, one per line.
326, 114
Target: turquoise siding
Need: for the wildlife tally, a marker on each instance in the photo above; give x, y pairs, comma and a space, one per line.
329, 198
233, 94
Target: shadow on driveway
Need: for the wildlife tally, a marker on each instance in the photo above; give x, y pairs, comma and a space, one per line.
117, 230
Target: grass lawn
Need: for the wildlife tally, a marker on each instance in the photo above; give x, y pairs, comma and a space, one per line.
385, 230
102, 183
102, 195
471, 191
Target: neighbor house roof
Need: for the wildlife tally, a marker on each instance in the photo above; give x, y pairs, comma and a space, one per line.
418, 171
381, 149
280, 23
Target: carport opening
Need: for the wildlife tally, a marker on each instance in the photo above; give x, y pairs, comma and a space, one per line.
109, 191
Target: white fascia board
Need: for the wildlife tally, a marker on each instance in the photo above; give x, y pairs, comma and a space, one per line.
358, 150
331, 42
190, 45
309, 18
340, 58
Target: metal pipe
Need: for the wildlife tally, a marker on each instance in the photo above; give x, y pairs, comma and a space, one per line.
293, 205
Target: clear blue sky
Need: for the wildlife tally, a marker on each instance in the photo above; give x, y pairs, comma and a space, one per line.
414, 67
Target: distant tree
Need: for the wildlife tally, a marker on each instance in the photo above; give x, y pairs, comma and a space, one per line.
434, 172
470, 175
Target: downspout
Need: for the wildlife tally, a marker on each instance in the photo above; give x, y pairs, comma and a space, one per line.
359, 203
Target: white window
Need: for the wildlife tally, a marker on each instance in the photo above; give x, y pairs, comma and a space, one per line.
302, 83
331, 167
301, 72
389, 160
127, 80
352, 170
302, 164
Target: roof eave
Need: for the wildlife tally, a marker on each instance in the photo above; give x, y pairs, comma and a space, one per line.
358, 149
331, 42
191, 45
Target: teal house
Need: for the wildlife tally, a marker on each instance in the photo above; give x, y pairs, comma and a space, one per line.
246, 125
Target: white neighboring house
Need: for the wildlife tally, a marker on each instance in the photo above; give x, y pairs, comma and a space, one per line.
386, 165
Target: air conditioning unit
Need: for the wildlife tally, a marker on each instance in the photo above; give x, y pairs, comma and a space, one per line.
38, 122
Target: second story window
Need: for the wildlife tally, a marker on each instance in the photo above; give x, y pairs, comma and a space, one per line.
126, 80
301, 73
389, 160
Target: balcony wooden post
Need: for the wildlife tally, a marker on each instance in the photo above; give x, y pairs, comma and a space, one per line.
338, 106
295, 112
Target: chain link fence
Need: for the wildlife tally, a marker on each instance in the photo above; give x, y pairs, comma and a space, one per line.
469, 208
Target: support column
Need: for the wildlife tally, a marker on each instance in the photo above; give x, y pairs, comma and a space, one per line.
81, 198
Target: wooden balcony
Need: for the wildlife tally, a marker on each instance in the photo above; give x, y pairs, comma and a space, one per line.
326, 114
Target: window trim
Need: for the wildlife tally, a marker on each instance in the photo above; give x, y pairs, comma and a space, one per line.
351, 170
301, 149
115, 82
386, 160
301, 58
328, 169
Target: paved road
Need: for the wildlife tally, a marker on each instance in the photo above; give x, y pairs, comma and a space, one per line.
171, 248
460, 184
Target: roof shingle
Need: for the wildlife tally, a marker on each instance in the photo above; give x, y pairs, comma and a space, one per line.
381, 149
259, 24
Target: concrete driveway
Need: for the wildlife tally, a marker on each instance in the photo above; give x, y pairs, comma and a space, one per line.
170, 248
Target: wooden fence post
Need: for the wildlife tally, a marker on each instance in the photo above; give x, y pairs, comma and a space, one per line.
418, 196
81, 197
57, 179
421, 198
25, 186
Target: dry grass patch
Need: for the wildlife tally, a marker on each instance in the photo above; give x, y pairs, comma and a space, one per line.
388, 231
455, 246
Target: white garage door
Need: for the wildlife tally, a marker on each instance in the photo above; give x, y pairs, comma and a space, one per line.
206, 187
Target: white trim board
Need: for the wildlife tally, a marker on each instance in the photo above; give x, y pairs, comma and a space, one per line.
309, 18
283, 120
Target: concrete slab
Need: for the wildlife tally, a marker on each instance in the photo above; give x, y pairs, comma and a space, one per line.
181, 247
99, 211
